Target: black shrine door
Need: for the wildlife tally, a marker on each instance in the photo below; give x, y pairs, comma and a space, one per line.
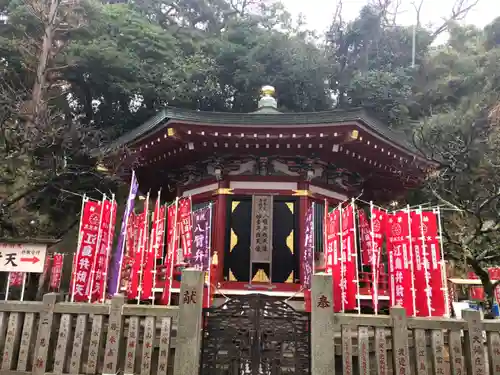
285, 259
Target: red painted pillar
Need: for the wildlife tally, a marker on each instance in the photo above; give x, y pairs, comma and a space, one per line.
303, 188
220, 226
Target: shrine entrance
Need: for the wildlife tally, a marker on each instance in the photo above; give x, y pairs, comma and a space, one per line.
283, 265
255, 335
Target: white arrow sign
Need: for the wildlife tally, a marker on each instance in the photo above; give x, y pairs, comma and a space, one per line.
15, 257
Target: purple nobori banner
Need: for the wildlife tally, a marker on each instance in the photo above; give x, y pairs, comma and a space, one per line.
200, 252
115, 266
307, 257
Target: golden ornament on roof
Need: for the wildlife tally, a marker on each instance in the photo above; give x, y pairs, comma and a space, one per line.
267, 90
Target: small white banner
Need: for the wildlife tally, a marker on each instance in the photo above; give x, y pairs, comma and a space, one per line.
262, 229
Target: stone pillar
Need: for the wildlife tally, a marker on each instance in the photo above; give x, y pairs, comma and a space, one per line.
187, 352
322, 326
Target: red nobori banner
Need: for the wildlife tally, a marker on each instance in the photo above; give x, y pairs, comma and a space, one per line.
138, 257
349, 283
56, 271
89, 233
131, 242
475, 292
16, 278
400, 268
437, 269
378, 224
153, 250
333, 256
364, 238
107, 231
495, 276
186, 224
421, 267
170, 256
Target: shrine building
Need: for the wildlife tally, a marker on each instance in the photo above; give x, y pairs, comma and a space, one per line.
295, 158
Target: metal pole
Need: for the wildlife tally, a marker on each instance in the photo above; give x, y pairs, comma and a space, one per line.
413, 45
443, 265
343, 282
426, 263
97, 249
209, 287
78, 245
108, 248
7, 287
354, 221
156, 245
374, 263
410, 251
23, 286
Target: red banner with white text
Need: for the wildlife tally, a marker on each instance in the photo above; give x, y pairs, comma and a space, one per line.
349, 284
400, 268
89, 233
171, 252
56, 271
102, 259
135, 272
378, 224
436, 269
131, 242
421, 267
364, 238
475, 292
186, 224
333, 256
151, 254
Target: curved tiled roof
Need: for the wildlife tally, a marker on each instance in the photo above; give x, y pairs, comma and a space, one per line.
257, 119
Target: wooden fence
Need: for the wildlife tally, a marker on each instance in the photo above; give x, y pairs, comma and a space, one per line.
52, 337
397, 344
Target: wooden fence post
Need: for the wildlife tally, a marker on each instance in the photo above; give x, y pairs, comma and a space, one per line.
322, 326
400, 355
187, 351
474, 343
44, 331
114, 336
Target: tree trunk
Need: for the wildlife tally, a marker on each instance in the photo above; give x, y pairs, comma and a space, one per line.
488, 286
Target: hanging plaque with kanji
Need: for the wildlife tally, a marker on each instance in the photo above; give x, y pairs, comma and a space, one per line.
262, 228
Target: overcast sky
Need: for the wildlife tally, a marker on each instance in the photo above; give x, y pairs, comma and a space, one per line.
318, 13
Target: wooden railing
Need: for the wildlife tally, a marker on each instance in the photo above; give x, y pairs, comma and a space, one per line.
397, 344
52, 337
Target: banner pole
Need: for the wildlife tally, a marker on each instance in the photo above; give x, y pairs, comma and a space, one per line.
354, 221
23, 285
209, 284
156, 245
412, 271
143, 248
7, 287
343, 282
325, 237
174, 249
426, 263
374, 263
108, 248
97, 250
78, 245
444, 280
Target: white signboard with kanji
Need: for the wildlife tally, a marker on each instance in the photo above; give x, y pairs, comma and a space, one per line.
27, 257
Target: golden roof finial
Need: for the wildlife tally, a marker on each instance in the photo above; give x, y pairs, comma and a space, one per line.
267, 90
